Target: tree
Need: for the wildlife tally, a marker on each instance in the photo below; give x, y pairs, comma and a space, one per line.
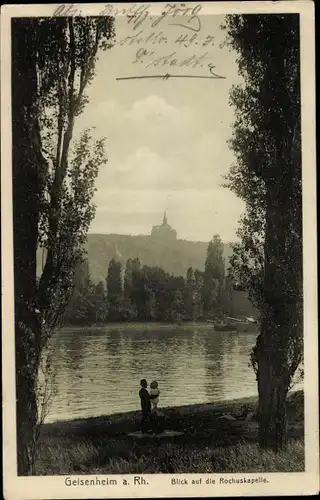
190, 294
114, 290
80, 305
53, 61
128, 279
247, 260
98, 312
27, 185
72, 167
177, 310
214, 277
140, 278
150, 304
227, 295
173, 303
131, 275
198, 293
267, 175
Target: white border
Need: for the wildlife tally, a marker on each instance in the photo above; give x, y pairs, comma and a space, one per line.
160, 484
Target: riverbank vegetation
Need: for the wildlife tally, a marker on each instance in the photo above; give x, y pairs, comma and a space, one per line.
210, 443
142, 293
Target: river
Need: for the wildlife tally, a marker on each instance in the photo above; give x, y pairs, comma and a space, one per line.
98, 369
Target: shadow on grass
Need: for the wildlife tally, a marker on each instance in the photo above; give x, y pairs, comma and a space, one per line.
209, 444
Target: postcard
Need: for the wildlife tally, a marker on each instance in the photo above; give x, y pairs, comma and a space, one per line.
159, 250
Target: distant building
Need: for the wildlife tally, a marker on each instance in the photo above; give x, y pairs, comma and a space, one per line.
164, 231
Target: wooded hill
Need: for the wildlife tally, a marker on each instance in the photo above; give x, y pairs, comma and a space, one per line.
174, 257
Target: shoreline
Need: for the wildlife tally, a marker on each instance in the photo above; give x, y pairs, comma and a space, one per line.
157, 324
250, 400
217, 407
209, 437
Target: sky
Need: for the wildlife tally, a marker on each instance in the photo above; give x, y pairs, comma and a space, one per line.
166, 139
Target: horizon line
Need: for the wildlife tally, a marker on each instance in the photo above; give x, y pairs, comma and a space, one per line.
148, 234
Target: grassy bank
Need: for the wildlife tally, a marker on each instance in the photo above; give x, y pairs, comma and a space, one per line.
210, 443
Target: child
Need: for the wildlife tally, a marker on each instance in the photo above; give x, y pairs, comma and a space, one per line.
154, 395
145, 405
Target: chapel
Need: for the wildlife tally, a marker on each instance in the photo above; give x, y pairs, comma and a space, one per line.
164, 231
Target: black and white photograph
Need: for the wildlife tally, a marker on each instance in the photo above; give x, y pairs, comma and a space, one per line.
159, 250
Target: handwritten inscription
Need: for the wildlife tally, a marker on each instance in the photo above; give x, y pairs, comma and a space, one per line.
138, 14
171, 59
174, 38
155, 38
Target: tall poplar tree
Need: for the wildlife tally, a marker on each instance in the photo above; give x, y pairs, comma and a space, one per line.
114, 290
53, 62
214, 272
267, 176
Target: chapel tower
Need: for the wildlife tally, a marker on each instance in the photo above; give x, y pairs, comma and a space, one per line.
164, 232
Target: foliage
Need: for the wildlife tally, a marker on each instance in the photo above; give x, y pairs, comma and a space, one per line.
114, 290
247, 260
214, 276
88, 303
144, 293
72, 167
54, 178
190, 294
99, 309
267, 176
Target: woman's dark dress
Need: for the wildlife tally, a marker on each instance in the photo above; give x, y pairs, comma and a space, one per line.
145, 408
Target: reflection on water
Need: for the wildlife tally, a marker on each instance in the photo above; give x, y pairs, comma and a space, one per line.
98, 370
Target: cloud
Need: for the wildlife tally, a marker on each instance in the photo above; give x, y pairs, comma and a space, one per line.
142, 169
150, 111
155, 107
109, 106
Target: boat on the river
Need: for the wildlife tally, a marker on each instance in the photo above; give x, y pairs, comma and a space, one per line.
246, 324
235, 325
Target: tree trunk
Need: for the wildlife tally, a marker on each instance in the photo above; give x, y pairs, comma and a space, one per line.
25, 227
272, 348
26, 405
273, 385
280, 347
280, 327
273, 417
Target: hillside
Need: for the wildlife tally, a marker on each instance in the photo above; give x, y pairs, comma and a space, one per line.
174, 256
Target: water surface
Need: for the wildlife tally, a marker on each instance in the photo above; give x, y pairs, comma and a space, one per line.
98, 369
